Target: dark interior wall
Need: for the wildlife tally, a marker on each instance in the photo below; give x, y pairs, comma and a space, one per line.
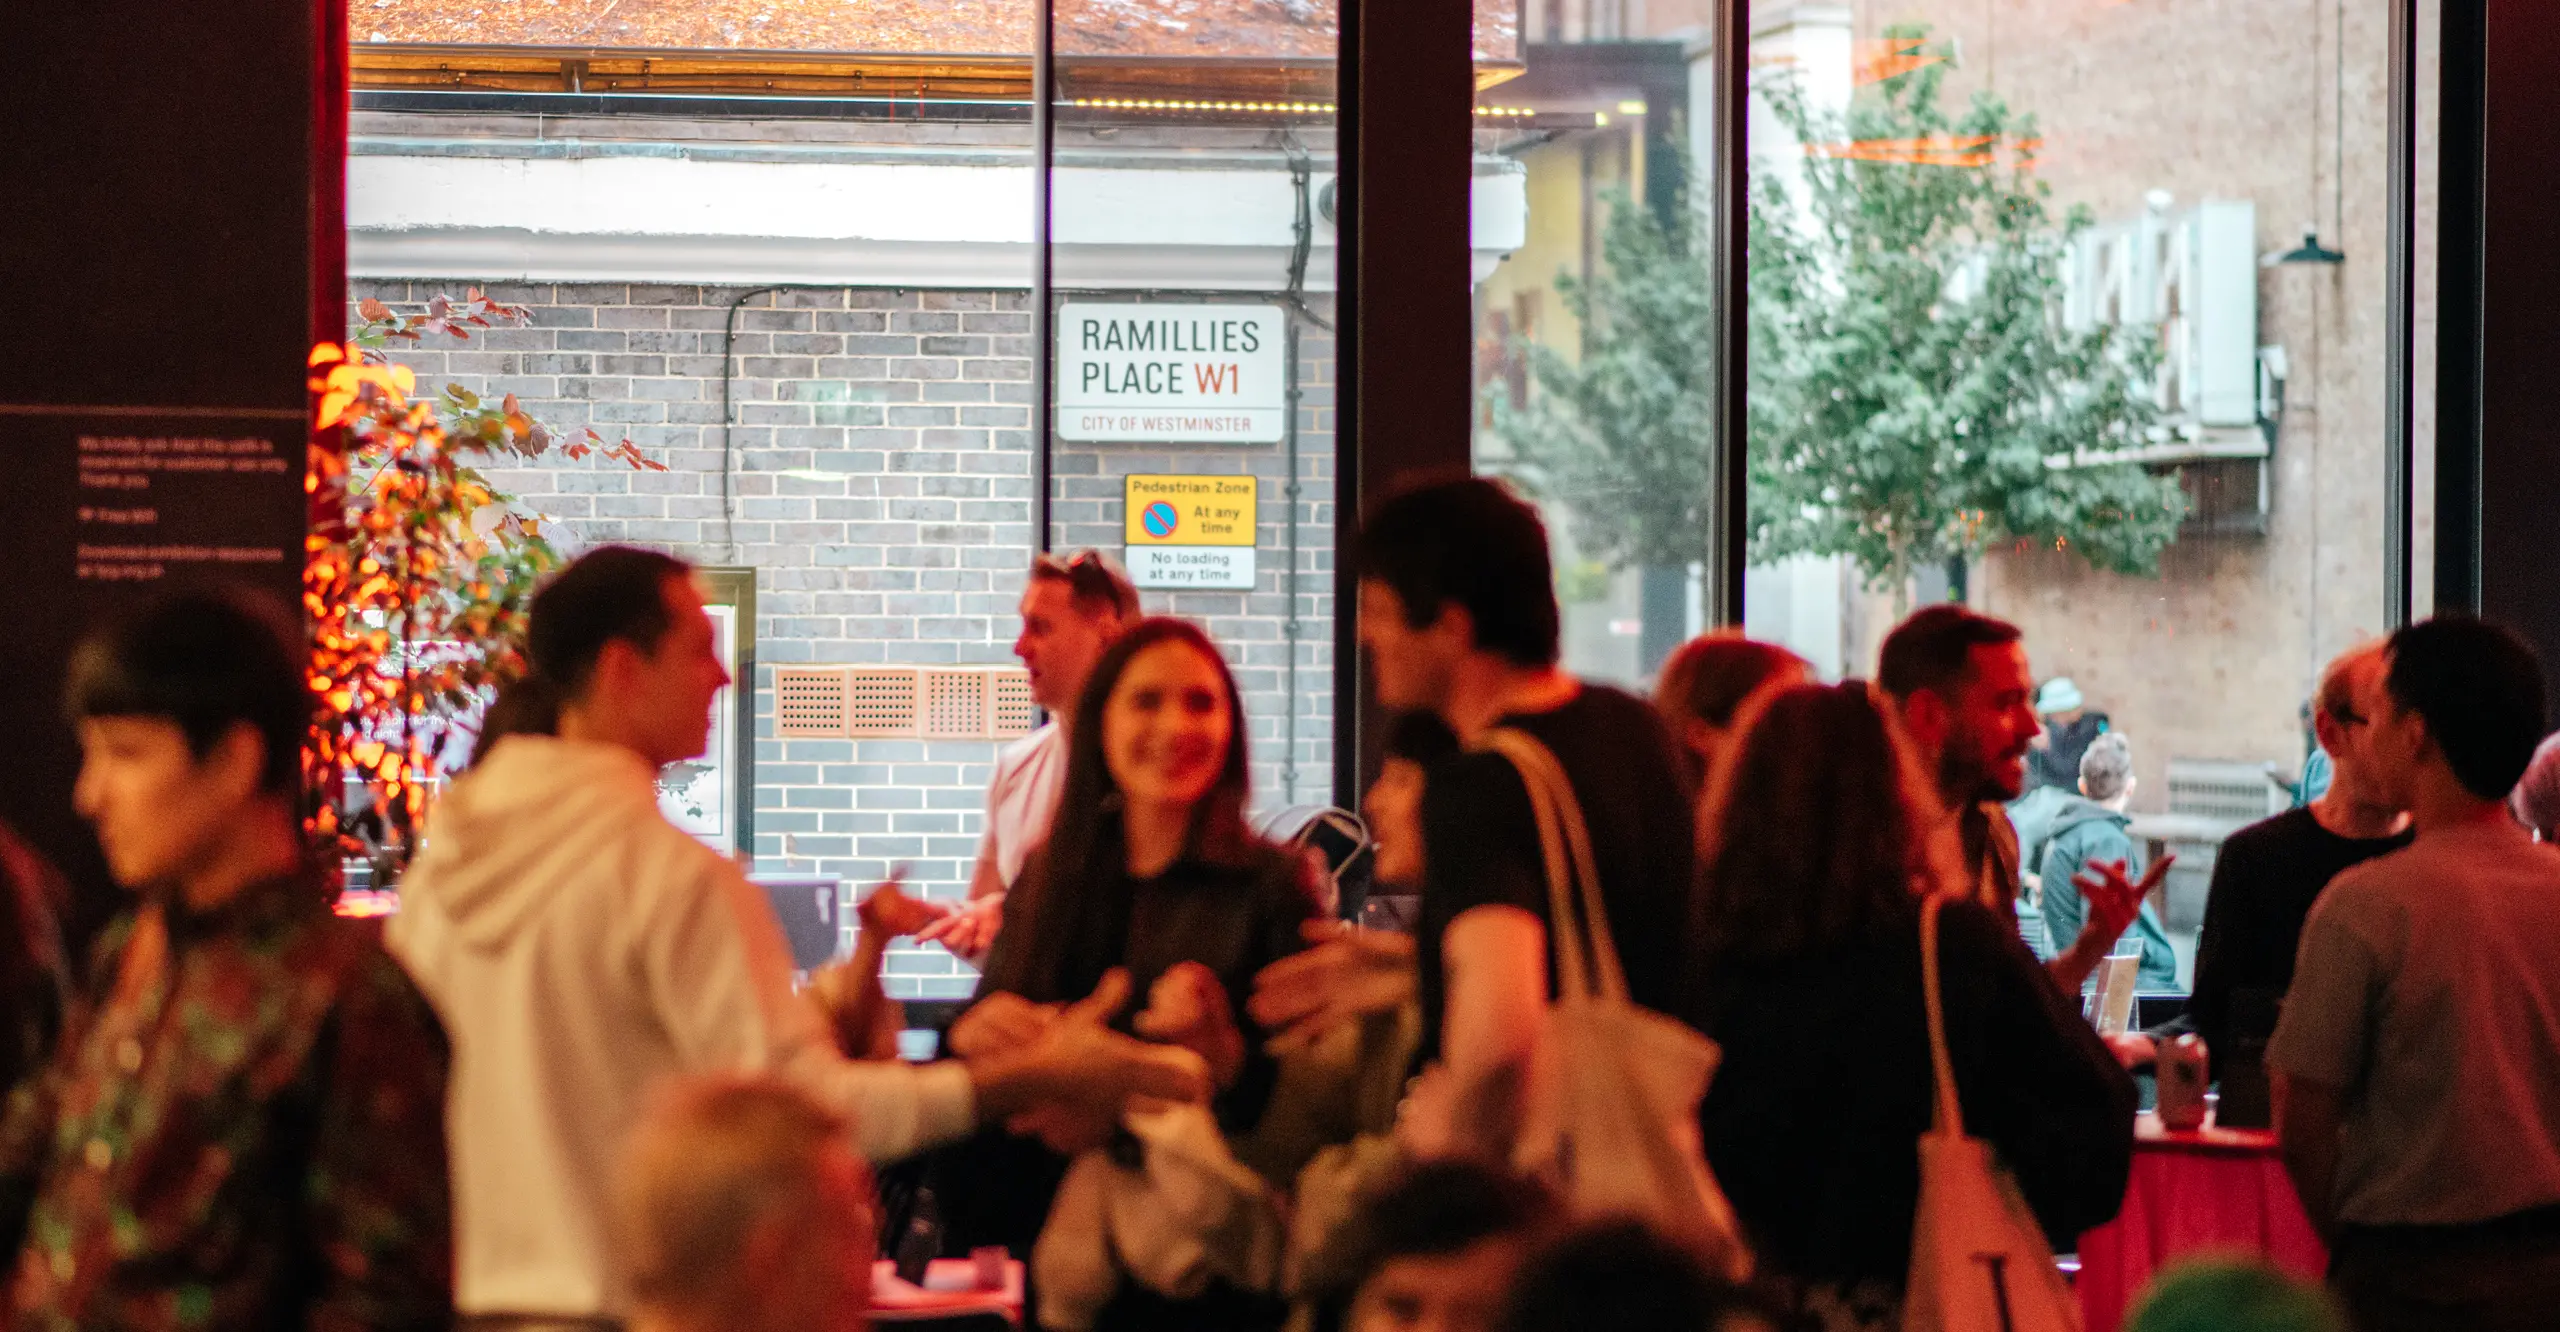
1407, 369
2459, 144
161, 159
2517, 485
169, 167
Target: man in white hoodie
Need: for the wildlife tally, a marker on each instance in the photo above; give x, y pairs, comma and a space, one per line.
581, 949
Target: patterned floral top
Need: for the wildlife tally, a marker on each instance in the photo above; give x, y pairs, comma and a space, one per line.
35, 979
245, 1132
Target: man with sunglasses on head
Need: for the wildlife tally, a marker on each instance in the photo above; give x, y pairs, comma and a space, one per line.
1072, 610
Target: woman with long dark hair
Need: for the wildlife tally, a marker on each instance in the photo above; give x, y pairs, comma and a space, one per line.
1150, 870
1816, 846
1154, 799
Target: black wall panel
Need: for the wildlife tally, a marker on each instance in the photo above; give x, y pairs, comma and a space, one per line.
168, 168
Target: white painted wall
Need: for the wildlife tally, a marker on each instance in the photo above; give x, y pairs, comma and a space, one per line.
649, 218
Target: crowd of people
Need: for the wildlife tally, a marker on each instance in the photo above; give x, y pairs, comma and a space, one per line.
576, 1084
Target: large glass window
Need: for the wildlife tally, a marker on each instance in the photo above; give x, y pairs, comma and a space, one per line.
1595, 136
788, 254
1193, 428
2073, 313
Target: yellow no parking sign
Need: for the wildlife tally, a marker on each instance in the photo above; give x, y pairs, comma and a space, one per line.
1191, 531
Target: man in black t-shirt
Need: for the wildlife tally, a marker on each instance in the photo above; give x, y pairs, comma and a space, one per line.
2269, 873
1458, 612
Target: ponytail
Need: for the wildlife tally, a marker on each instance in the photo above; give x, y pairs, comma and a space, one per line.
528, 706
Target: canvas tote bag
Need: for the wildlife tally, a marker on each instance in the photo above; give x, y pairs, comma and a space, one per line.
1611, 1109
1979, 1261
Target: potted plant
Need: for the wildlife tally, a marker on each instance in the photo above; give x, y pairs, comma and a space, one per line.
417, 573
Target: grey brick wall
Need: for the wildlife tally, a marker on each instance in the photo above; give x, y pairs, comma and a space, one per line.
879, 477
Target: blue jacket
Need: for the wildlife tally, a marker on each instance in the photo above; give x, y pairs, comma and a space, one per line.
2086, 832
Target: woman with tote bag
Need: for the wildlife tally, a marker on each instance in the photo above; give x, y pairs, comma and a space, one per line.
1815, 857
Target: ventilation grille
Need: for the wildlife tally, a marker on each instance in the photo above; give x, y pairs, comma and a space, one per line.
893, 702
955, 704
1010, 710
883, 702
809, 702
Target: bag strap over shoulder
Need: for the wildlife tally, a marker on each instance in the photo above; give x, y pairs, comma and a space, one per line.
1948, 1120
1611, 976
1564, 839
1570, 975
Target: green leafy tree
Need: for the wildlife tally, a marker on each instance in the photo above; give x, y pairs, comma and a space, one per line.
1914, 397
1621, 434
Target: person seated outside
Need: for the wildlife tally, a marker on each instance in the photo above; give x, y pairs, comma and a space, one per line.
1817, 845
1151, 879
583, 949
1437, 1249
741, 1206
2053, 758
242, 1128
2318, 763
1707, 684
2053, 775
2089, 833
1625, 1275
1458, 614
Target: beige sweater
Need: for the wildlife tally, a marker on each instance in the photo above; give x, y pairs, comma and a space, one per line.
581, 950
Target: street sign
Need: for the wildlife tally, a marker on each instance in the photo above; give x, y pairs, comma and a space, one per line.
1191, 531
1206, 374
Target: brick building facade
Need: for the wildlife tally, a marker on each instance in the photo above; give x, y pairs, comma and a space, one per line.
2283, 107
879, 482
2155, 109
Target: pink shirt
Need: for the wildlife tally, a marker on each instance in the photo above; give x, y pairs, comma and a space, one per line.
2428, 991
1021, 799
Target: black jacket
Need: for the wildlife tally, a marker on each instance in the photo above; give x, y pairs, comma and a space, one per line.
995, 1187
1814, 1120
2057, 761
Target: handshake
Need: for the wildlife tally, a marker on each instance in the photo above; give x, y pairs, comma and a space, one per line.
1060, 1071
1056, 1071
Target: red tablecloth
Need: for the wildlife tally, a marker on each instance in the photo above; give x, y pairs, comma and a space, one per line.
2213, 1190
950, 1287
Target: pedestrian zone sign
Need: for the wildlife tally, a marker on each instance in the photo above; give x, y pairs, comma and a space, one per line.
1192, 532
